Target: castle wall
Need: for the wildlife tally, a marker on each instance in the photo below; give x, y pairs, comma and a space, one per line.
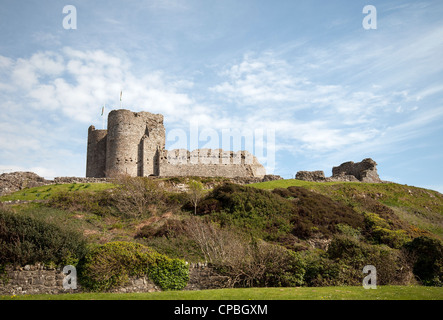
209, 163
134, 144
96, 153
133, 138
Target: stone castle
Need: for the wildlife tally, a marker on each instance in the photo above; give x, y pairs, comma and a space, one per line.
134, 144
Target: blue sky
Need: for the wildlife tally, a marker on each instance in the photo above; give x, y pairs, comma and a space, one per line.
330, 90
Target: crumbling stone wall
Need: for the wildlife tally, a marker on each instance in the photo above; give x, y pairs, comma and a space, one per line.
310, 175
15, 181
364, 171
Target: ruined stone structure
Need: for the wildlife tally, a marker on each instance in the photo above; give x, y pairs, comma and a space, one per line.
134, 144
364, 171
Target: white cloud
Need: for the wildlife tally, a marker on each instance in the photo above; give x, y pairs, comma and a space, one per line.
77, 83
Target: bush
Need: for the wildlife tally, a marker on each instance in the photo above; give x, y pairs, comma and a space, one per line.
245, 263
317, 214
428, 262
392, 266
380, 231
319, 269
110, 265
137, 196
26, 240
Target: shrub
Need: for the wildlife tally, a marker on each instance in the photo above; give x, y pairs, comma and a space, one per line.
110, 265
27, 240
380, 231
136, 196
392, 267
319, 269
428, 262
245, 263
317, 214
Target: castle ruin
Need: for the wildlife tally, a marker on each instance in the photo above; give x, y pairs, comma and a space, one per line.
364, 171
134, 144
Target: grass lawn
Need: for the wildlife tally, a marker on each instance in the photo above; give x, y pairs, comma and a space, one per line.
301, 293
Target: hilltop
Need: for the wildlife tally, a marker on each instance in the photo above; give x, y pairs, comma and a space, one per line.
275, 233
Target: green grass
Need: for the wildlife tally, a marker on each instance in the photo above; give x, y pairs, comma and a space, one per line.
45, 192
299, 293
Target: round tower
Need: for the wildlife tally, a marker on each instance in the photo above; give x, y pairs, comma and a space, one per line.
96, 153
130, 139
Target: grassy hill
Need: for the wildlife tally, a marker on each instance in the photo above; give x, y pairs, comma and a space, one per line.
276, 233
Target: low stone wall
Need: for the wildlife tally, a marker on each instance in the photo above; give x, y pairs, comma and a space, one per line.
38, 279
67, 180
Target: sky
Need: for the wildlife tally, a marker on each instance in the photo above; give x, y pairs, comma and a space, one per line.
315, 83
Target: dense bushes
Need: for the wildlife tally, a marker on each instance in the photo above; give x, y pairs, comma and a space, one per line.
427, 256
317, 214
380, 231
110, 265
274, 215
27, 240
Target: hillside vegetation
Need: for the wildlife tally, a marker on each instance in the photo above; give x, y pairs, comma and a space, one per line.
276, 233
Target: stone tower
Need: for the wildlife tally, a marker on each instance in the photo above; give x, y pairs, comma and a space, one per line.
131, 145
96, 153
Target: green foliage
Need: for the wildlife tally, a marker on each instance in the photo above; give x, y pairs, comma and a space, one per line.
27, 240
428, 264
110, 265
319, 269
275, 215
392, 267
380, 231
97, 202
195, 193
348, 231
169, 274
265, 214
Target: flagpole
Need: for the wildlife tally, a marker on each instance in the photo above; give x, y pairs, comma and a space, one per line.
121, 99
103, 115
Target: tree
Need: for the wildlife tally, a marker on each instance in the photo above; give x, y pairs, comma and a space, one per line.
135, 195
195, 193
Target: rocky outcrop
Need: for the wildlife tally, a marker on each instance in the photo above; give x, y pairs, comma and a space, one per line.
364, 171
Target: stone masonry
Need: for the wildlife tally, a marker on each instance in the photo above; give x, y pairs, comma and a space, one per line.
40, 279
134, 144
